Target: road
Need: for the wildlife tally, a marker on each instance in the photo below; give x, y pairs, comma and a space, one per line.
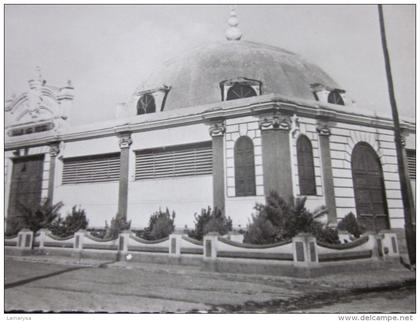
36, 286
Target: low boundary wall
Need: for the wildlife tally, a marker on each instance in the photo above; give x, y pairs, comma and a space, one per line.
303, 255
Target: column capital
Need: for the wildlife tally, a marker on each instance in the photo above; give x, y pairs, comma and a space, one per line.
54, 149
323, 129
275, 122
125, 140
217, 129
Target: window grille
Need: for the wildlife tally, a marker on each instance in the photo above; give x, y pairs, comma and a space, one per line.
306, 169
96, 168
411, 160
244, 167
174, 161
146, 104
240, 91
335, 98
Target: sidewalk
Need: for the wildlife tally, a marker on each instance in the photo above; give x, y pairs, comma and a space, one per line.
148, 287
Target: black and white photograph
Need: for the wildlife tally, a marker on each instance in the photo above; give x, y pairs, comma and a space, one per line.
210, 159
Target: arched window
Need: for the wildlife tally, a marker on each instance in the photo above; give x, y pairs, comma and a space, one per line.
146, 104
244, 167
240, 91
369, 188
306, 169
335, 98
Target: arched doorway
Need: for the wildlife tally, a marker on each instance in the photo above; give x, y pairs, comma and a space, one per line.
369, 188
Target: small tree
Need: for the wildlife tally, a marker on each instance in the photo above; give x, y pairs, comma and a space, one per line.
278, 220
161, 225
210, 221
118, 224
351, 225
40, 217
73, 222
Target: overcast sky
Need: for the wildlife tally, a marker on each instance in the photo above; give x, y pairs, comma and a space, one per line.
107, 51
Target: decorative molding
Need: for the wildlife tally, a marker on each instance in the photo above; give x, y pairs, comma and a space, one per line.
275, 122
295, 126
323, 129
54, 150
125, 141
217, 129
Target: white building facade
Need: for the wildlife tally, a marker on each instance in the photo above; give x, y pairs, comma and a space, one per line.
221, 126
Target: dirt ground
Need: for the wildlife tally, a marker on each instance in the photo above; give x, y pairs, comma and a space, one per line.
61, 285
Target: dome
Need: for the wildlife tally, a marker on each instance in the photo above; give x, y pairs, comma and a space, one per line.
194, 77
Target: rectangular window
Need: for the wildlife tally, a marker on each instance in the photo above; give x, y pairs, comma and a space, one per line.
174, 161
95, 168
411, 160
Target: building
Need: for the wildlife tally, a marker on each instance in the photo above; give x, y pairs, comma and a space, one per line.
221, 126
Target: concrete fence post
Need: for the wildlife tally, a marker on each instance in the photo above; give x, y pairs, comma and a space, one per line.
123, 240
78, 240
390, 245
210, 246
42, 236
175, 240
304, 250
25, 239
235, 237
375, 242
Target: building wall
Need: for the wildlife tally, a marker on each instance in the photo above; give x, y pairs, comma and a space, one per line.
185, 195
342, 141
307, 127
241, 208
98, 199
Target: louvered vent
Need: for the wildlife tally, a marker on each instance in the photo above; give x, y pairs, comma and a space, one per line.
175, 161
411, 160
96, 168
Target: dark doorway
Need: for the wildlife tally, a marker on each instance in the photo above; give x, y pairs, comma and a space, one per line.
26, 183
369, 188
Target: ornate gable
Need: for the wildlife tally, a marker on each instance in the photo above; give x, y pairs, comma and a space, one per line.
43, 108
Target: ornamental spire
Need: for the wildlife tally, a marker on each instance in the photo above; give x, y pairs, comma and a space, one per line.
233, 32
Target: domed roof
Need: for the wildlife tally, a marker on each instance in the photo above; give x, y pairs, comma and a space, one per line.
194, 77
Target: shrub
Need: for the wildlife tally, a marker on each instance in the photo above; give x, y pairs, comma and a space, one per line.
40, 217
278, 220
210, 221
118, 224
261, 230
350, 224
73, 222
161, 225
13, 226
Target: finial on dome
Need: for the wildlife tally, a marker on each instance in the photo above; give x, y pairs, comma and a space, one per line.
233, 32
38, 74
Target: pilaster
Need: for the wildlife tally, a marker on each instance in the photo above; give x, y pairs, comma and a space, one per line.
217, 131
324, 133
277, 168
125, 143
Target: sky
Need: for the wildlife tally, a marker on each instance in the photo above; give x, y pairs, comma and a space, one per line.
108, 51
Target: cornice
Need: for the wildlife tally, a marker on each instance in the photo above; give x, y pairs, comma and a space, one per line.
222, 110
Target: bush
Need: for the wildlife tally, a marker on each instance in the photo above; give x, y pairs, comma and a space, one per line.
13, 226
161, 225
73, 222
278, 220
118, 224
349, 223
210, 221
40, 217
